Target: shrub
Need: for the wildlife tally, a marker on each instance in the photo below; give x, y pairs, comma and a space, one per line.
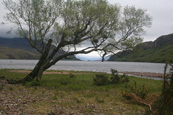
115, 78
71, 75
142, 91
101, 79
164, 104
125, 94
114, 72
124, 78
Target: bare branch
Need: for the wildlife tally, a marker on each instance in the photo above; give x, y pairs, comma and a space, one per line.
84, 51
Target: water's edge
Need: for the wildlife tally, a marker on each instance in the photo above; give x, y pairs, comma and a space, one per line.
95, 66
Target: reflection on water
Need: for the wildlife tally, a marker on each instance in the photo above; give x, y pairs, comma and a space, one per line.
97, 66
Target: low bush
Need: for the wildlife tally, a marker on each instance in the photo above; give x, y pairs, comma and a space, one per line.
101, 79
71, 75
124, 78
125, 94
116, 78
141, 91
164, 104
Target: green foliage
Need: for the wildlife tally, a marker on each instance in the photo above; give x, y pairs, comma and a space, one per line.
116, 78
101, 79
141, 91
164, 103
124, 78
125, 94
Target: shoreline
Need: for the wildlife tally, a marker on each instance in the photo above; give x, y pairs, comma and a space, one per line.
149, 75
144, 74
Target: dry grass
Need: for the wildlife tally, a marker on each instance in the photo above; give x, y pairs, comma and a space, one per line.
79, 96
18, 99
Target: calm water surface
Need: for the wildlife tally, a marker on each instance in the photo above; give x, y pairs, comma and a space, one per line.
97, 66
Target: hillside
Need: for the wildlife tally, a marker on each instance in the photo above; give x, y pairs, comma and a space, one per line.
18, 48
160, 51
11, 53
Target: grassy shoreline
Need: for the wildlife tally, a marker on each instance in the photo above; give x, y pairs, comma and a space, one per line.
60, 94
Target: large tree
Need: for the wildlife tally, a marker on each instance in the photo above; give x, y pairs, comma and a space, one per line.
66, 24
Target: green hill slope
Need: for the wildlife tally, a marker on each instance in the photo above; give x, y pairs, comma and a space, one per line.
158, 55
159, 51
12, 53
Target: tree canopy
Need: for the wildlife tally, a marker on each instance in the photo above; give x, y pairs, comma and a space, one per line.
66, 24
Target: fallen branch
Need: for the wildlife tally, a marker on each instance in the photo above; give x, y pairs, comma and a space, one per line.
148, 101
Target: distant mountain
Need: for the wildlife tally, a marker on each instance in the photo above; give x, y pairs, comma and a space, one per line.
19, 48
160, 50
107, 57
16, 43
159, 42
88, 58
92, 58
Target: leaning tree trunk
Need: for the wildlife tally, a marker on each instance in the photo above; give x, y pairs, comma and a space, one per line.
36, 72
38, 69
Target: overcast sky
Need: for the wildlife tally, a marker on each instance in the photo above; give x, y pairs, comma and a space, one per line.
160, 10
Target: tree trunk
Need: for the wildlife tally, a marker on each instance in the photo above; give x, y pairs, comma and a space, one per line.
38, 69
36, 72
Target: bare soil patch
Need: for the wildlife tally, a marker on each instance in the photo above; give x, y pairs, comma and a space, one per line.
47, 72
